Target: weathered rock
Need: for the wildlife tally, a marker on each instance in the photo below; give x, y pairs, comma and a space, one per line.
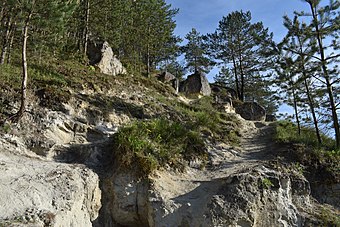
250, 111
166, 77
223, 97
223, 91
101, 55
45, 193
270, 117
258, 197
125, 201
196, 84
170, 79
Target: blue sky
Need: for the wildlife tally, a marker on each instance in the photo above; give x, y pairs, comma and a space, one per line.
204, 15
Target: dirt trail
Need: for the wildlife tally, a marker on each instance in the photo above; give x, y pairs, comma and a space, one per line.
256, 146
195, 188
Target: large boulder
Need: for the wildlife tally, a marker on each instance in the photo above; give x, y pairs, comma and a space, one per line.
223, 91
223, 97
170, 79
250, 111
196, 84
270, 117
166, 77
101, 55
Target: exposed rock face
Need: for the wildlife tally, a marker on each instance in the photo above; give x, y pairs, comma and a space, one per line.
251, 111
125, 201
223, 97
223, 91
246, 200
196, 84
101, 55
258, 197
50, 174
270, 117
166, 77
170, 79
45, 193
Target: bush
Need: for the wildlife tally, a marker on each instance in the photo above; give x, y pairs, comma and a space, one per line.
156, 143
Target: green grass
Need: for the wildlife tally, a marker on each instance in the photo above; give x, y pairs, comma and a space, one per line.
287, 132
204, 117
307, 149
266, 183
150, 145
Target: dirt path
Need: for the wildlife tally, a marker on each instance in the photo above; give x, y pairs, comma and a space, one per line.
194, 189
256, 146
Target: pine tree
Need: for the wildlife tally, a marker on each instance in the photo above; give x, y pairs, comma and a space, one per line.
286, 81
195, 53
243, 47
302, 47
224, 77
325, 25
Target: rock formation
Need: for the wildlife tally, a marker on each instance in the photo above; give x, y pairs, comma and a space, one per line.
45, 193
101, 55
270, 117
223, 97
250, 111
196, 84
166, 77
170, 79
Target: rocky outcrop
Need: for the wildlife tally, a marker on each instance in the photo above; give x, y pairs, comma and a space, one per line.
223, 97
57, 170
196, 84
257, 197
45, 193
223, 91
166, 77
261, 197
101, 55
170, 79
250, 111
270, 117
125, 201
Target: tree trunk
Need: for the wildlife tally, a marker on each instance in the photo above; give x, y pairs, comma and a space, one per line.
242, 78
86, 30
312, 108
2, 10
309, 95
12, 33
295, 106
24, 69
236, 78
5, 41
326, 75
148, 61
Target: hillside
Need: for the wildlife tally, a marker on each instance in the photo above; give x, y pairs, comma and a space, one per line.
126, 150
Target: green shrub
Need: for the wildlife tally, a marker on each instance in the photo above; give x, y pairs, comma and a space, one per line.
266, 183
153, 144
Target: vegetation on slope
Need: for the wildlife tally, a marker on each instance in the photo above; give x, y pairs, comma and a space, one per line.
149, 145
307, 150
164, 130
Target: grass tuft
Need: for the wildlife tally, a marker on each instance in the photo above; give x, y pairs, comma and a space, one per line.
150, 145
